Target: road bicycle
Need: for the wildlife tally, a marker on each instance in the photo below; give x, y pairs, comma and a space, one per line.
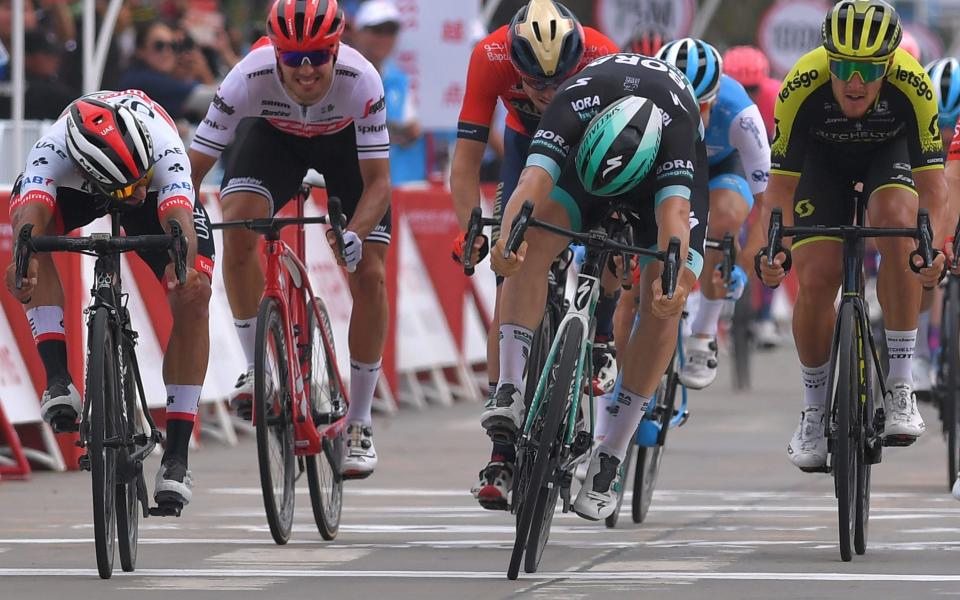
947, 387
300, 402
553, 437
116, 428
854, 429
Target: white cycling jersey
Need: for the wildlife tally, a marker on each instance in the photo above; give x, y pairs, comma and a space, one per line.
253, 89
49, 166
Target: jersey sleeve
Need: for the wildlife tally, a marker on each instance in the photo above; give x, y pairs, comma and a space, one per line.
559, 127
677, 162
47, 164
954, 152
789, 116
229, 106
749, 137
172, 180
370, 117
480, 96
921, 112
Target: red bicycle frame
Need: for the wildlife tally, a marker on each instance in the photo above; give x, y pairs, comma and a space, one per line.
288, 284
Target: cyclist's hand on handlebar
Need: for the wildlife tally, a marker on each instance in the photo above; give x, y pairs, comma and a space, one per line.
505, 267
29, 282
352, 249
949, 250
738, 281
773, 275
930, 276
481, 247
666, 308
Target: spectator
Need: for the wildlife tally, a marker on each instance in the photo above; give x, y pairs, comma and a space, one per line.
153, 70
46, 96
375, 35
6, 31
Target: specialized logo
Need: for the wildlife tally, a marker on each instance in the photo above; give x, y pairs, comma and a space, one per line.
917, 80
585, 103
612, 163
583, 294
804, 208
802, 80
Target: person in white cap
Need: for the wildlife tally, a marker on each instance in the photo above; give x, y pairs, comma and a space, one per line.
376, 29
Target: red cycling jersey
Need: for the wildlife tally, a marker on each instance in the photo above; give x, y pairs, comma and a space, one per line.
954, 152
491, 76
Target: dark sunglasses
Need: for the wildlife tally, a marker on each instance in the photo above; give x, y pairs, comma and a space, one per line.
160, 46
540, 85
298, 59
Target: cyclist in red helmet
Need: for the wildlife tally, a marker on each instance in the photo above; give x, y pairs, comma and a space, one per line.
646, 42
312, 102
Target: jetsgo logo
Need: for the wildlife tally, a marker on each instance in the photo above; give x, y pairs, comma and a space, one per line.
802, 80
916, 80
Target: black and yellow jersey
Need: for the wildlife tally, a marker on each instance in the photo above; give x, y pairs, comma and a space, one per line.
806, 112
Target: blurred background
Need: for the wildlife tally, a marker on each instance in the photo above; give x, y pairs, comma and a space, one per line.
178, 50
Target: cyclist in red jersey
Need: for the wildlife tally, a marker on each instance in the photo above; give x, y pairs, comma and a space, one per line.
516, 66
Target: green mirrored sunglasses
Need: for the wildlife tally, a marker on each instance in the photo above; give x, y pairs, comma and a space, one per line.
868, 71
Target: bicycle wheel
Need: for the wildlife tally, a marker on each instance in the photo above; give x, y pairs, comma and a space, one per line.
849, 439
951, 393
866, 391
611, 521
539, 350
128, 492
649, 458
536, 513
101, 393
274, 421
326, 398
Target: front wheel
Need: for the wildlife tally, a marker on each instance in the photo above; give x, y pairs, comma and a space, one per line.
950, 392
273, 418
849, 442
128, 492
649, 458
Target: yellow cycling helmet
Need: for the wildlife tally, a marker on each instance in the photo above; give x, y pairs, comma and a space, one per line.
861, 30
546, 40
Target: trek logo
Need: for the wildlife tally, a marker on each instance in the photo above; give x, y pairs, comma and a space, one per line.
804, 208
612, 163
585, 103
803, 80
916, 80
347, 73
374, 107
259, 73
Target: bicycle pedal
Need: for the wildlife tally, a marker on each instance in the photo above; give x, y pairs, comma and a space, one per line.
63, 420
684, 418
502, 432
898, 441
84, 462
168, 508
581, 443
820, 469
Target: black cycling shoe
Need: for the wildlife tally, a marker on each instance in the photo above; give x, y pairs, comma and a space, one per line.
173, 488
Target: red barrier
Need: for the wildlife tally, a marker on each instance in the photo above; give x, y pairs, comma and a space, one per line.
9, 438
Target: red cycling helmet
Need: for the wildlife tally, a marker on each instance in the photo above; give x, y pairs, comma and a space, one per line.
748, 65
646, 42
305, 25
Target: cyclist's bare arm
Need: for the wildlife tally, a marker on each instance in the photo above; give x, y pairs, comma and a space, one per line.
465, 178
200, 165
375, 199
38, 215
931, 185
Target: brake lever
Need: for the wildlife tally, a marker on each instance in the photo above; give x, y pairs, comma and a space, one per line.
671, 268
179, 251
22, 252
473, 230
337, 222
518, 229
729, 250
925, 242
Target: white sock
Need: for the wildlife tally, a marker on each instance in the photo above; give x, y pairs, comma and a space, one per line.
814, 381
247, 332
708, 315
46, 323
515, 342
182, 401
900, 347
363, 382
624, 417
604, 404
923, 335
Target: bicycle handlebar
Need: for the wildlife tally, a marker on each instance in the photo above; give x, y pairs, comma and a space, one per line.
599, 239
474, 227
728, 249
101, 244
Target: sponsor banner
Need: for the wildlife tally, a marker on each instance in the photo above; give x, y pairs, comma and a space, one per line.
434, 49
620, 19
788, 30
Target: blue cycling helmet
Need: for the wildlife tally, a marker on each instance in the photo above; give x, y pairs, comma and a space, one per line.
699, 62
945, 75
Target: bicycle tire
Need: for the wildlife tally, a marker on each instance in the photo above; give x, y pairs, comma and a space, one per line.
846, 448
863, 465
951, 396
274, 424
742, 346
101, 393
323, 470
535, 517
649, 458
611, 521
128, 497
539, 350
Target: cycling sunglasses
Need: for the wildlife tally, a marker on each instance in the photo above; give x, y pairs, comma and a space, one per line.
868, 71
315, 58
126, 192
540, 85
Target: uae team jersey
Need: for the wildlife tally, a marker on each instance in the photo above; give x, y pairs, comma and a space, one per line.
491, 76
253, 89
49, 167
736, 126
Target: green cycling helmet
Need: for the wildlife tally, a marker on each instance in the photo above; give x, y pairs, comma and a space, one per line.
619, 146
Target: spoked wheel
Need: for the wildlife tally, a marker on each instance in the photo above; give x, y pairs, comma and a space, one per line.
326, 404
649, 458
611, 521
536, 512
950, 396
849, 442
274, 421
128, 492
867, 388
539, 350
102, 396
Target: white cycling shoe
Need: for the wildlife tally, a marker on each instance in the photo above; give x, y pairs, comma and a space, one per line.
700, 368
922, 375
902, 421
808, 447
61, 407
360, 456
598, 495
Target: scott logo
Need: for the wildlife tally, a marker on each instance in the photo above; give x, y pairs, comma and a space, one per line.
585, 103
802, 80
916, 80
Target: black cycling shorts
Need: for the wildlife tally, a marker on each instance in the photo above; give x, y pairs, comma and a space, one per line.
75, 209
272, 163
825, 192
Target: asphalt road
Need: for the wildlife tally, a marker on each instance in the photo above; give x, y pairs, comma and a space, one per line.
731, 519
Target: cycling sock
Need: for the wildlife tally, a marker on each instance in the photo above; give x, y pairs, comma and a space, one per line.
923, 335
815, 385
491, 389
46, 324
363, 382
606, 306
247, 332
178, 439
515, 342
505, 453
625, 415
900, 347
182, 401
708, 315
605, 405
